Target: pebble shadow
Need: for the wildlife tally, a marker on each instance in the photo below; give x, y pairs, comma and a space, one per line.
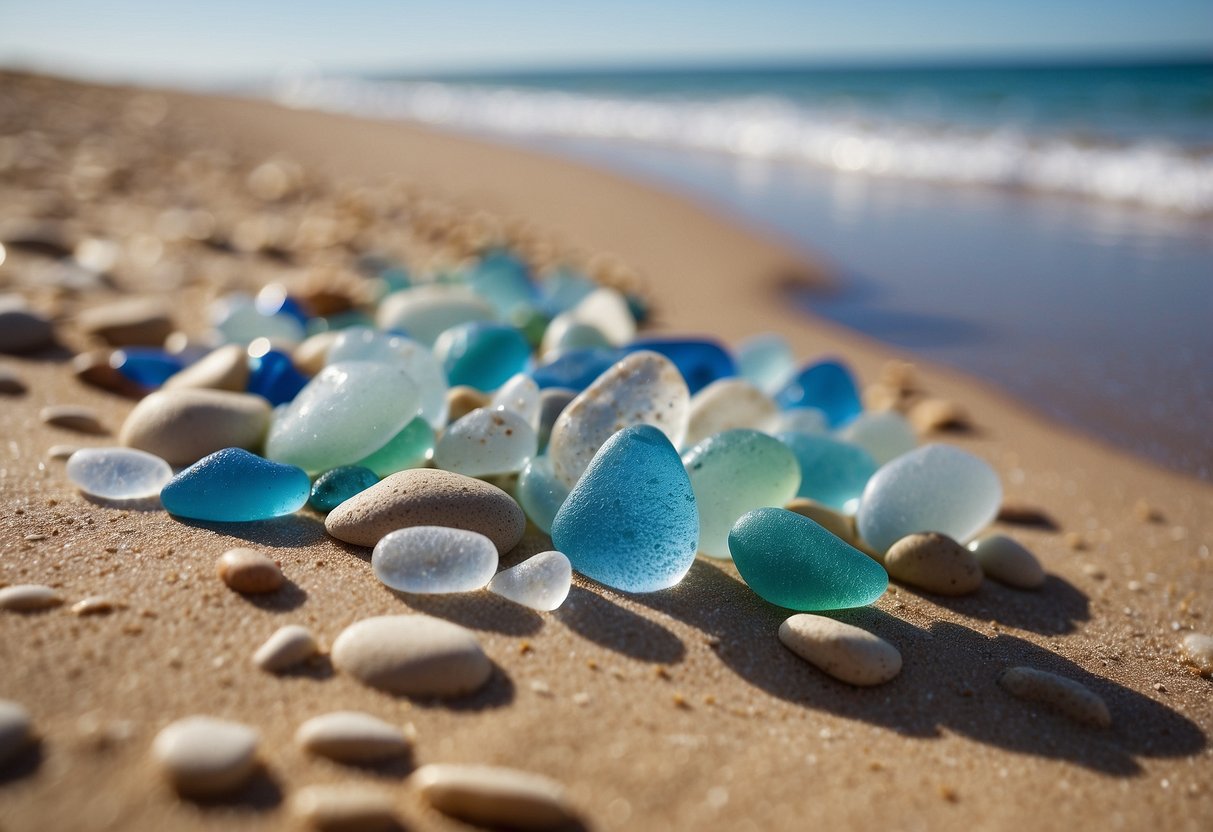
292, 530
477, 611
289, 596
948, 681
1051, 610
609, 625
142, 504
498, 693
23, 765
261, 794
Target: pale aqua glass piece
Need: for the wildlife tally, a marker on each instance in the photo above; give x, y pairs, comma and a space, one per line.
540, 493
361, 343
831, 472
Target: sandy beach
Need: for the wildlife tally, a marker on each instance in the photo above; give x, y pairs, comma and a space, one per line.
673, 710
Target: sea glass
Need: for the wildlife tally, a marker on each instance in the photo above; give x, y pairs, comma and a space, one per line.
234, 485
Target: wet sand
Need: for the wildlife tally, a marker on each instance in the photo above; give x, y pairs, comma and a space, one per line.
678, 709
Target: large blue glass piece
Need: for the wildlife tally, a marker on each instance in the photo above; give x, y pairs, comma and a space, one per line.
482, 355
827, 386
575, 369
273, 376
631, 521
700, 360
234, 485
831, 472
146, 366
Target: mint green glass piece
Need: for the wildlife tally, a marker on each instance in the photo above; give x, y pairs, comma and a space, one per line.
363, 344
540, 493
791, 561
410, 448
733, 472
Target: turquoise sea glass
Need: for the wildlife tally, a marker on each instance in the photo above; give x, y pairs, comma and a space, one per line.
482, 355
234, 485
334, 487
540, 493
791, 561
831, 472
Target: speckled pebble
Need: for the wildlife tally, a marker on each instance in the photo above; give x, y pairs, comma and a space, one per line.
1005, 559
73, 417
249, 571
352, 737
203, 756
287, 647
486, 442
1070, 698
412, 655
428, 497
842, 650
345, 807
494, 796
16, 729
226, 368
934, 562
183, 426
28, 598
1198, 652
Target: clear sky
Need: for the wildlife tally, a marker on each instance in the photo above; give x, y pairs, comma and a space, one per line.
169, 40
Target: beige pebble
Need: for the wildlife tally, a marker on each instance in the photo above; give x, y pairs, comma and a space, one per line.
311, 355
203, 756
842, 650
28, 598
16, 729
413, 655
286, 648
72, 417
345, 807
94, 368
11, 383
1006, 560
352, 737
932, 415
494, 796
61, 451
95, 605
1073, 699
462, 400
247, 570
182, 426
143, 322
428, 497
225, 368
1198, 652
934, 562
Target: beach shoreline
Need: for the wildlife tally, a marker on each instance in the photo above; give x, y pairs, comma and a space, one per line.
673, 710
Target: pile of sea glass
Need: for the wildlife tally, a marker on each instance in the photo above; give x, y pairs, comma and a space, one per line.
633, 453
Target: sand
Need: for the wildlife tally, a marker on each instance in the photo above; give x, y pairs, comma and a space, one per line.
674, 710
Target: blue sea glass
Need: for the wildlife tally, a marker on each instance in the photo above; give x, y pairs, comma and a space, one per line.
826, 385
791, 561
575, 369
563, 289
631, 521
273, 376
831, 472
335, 486
482, 355
540, 493
274, 300
503, 280
146, 366
700, 360
234, 485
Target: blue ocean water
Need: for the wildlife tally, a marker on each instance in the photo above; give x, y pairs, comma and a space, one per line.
1048, 228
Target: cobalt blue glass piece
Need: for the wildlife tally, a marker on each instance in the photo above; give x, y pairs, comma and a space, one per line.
831, 472
335, 486
575, 369
273, 376
700, 360
482, 355
829, 387
631, 521
146, 366
235, 486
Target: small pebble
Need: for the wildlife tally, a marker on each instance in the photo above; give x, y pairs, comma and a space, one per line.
540, 582
934, 562
1006, 560
494, 796
226, 368
118, 473
1198, 652
842, 650
28, 598
205, 757
287, 647
61, 451
11, 383
183, 426
16, 729
23, 330
335, 486
1073, 699
249, 571
73, 417
428, 497
462, 400
94, 605
412, 655
129, 322
233, 485
352, 737
434, 559
935, 415
345, 807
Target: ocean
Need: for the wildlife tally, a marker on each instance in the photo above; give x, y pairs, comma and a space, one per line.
1046, 227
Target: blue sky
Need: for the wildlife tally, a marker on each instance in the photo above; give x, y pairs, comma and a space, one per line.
222, 39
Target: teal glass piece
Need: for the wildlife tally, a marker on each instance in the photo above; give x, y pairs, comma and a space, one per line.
831, 472
234, 485
334, 487
630, 522
503, 280
482, 355
792, 562
733, 472
408, 449
540, 493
